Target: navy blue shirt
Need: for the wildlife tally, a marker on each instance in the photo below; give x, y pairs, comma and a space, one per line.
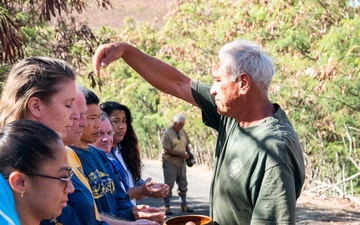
120, 173
80, 209
108, 193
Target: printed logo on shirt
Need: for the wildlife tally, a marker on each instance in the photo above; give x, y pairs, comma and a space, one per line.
101, 184
235, 168
54, 221
81, 170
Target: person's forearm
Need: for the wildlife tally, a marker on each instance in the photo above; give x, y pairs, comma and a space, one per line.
158, 73
175, 153
126, 214
135, 192
187, 148
112, 221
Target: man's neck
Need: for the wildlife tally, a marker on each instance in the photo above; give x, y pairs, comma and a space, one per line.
82, 145
257, 114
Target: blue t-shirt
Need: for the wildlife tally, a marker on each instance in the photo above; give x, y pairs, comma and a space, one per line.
80, 208
108, 193
7, 206
123, 168
120, 173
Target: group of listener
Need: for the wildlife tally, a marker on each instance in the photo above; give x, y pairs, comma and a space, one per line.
56, 176
53, 158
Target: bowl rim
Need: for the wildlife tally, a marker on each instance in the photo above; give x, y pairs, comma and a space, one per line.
188, 215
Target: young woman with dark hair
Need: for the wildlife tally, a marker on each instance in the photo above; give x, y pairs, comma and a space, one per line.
36, 169
126, 148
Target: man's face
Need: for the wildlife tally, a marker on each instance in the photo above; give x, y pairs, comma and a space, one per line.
92, 131
178, 125
105, 141
74, 135
225, 91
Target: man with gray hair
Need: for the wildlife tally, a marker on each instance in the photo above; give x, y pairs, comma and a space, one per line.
259, 168
176, 147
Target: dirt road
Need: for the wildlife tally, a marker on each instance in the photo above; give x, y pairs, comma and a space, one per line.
198, 188
311, 209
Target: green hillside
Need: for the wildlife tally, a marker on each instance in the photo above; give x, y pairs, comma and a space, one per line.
315, 45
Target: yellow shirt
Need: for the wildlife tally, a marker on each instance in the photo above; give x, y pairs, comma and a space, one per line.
75, 163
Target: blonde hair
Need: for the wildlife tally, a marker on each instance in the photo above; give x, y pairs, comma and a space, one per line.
33, 76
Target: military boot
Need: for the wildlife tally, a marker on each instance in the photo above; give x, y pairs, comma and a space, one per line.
184, 208
167, 210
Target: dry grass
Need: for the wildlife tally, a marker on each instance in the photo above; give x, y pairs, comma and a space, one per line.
140, 10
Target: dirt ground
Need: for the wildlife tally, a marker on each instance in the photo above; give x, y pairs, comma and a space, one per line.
311, 208
315, 209
151, 11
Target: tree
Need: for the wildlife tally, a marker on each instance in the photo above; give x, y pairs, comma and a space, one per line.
316, 49
20, 18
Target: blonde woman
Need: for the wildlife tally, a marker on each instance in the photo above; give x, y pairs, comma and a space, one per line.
44, 90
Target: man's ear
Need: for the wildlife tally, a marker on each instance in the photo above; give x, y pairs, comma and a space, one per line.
244, 81
17, 182
34, 106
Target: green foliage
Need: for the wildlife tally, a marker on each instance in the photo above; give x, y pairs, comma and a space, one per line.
315, 45
39, 37
27, 30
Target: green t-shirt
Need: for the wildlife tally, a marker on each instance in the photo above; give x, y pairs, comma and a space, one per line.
258, 171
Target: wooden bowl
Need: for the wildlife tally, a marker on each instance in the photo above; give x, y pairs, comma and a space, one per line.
182, 220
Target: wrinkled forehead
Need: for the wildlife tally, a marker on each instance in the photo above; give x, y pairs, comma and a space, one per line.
80, 102
220, 69
180, 123
106, 124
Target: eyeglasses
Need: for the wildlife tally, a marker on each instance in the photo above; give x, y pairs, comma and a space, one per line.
178, 135
66, 180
